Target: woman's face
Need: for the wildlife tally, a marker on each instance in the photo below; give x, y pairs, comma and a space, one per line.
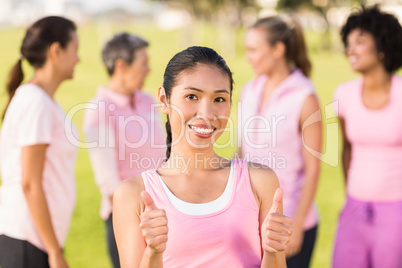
259, 52
69, 57
136, 72
361, 51
199, 106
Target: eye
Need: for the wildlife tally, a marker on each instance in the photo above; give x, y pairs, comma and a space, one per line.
220, 99
191, 97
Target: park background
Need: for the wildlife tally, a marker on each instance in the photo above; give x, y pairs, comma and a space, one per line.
171, 26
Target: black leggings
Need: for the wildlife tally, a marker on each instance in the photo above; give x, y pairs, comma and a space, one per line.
302, 259
15, 253
111, 242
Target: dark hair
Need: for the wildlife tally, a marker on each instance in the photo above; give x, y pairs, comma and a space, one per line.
121, 46
385, 29
289, 32
38, 38
186, 61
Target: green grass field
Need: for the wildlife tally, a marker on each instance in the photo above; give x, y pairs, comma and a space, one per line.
85, 246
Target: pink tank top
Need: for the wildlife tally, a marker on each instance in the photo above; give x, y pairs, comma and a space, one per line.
226, 238
270, 135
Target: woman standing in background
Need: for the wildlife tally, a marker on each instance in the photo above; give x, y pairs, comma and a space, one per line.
37, 195
279, 126
370, 112
124, 123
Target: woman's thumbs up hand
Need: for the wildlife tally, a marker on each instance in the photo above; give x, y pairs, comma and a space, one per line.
154, 225
277, 228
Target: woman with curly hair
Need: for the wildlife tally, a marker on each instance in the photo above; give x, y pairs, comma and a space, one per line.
370, 107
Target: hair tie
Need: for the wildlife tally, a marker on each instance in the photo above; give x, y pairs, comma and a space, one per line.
21, 57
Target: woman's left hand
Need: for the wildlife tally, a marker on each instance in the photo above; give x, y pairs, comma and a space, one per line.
277, 228
296, 242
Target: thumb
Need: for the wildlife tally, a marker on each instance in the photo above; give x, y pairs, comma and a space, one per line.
277, 201
148, 201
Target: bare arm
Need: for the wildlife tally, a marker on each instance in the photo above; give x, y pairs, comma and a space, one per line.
347, 150
140, 235
33, 160
311, 130
275, 229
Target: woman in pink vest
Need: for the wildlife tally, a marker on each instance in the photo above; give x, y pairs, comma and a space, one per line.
215, 212
123, 124
279, 124
370, 112
37, 194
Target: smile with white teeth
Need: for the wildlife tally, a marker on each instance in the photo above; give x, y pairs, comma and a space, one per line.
202, 130
352, 59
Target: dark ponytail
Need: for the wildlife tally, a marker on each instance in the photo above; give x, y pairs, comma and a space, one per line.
168, 138
15, 79
299, 50
186, 61
38, 38
289, 32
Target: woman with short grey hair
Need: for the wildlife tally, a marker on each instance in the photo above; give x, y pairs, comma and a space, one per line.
122, 124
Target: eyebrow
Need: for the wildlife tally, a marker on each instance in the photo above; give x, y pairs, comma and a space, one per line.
216, 91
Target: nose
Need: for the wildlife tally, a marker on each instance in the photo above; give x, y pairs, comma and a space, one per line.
248, 56
206, 111
349, 50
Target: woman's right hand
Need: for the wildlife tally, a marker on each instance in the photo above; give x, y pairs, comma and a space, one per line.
154, 225
56, 260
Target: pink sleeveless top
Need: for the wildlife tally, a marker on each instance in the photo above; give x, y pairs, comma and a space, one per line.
226, 238
270, 135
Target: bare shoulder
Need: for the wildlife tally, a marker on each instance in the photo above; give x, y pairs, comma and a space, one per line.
128, 194
261, 174
264, 181
130, 186
311, 104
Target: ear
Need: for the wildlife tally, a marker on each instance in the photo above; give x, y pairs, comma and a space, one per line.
279, 49
120, 66
163, 100
54, 51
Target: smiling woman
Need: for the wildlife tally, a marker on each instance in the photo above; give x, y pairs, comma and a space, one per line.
216, 212
188, 101
370, 116
203, 103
